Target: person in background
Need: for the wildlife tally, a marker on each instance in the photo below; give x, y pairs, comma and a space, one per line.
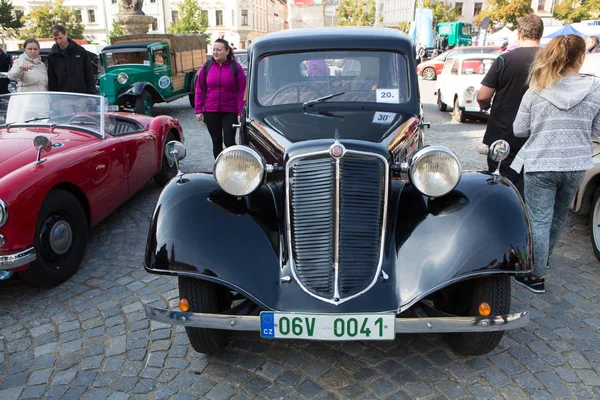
5, 66
317, 68
592, 45
69, 66
559, 114
220, 95
506, 83
28, 70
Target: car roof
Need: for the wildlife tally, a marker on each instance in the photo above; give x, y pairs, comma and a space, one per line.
367, 38
143, 44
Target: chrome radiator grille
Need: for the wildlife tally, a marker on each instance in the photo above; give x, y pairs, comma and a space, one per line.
336, 210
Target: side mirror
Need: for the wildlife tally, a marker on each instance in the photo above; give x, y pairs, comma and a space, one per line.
41, 143
175, 151
498, 152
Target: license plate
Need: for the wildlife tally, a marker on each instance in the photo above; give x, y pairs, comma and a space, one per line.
278, 325
112, 107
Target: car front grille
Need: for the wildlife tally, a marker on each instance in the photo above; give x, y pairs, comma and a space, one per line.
336, 210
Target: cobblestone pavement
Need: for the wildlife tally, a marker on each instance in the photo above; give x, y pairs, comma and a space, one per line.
89, 338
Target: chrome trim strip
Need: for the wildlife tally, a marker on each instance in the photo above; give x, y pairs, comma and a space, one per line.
383, 224
336, 232
403, 325
18, 259
4, 213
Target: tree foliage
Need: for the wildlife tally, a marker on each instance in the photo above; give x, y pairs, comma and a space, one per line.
116, 30
7, 17
404, 27
575, 11
442, 11
40, 20
356, 12
191, 18
504, 12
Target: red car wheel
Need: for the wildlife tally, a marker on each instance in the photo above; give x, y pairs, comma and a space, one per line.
429, 74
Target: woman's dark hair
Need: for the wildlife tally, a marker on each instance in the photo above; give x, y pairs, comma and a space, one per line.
227, 47
30, 40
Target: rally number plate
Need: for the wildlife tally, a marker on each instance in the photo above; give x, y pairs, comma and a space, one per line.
278, 325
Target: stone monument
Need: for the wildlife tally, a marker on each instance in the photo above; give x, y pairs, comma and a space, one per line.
133, 19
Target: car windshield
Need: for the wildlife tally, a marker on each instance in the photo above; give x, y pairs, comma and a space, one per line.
476, 66
80, 111
363, 76
127, 56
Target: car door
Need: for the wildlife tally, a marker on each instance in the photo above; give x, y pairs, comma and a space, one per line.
141, 158
444, 78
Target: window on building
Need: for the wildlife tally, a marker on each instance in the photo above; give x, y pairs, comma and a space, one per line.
78, 15
154, 25
174, 16
477, 8
152, 1
459, 8
219, 14
541, 5
113, 1
19, 14
244, 17
204, 15
91, 16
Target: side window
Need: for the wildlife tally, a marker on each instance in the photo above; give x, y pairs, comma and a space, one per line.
447, 66
454, 70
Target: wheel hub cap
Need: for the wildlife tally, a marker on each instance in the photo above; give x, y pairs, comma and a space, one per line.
61, 237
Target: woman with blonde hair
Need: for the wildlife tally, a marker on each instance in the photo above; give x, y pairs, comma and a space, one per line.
559, 114
28, 70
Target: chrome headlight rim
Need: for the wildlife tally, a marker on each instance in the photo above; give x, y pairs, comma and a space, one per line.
425, 152
122, 78
251, 152
3, 213
470, 91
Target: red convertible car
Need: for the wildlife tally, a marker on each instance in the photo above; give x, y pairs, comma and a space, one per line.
430, 69
65, 164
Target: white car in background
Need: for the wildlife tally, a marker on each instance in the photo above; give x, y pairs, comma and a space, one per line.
459, 83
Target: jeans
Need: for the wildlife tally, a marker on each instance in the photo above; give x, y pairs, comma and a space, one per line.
548, 196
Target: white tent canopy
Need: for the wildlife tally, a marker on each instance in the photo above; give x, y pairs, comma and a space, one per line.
502, 34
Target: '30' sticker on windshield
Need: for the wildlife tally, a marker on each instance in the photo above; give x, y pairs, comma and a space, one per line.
387, 96
384, 118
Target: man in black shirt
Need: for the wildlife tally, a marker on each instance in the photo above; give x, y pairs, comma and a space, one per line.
506, 82
5, 66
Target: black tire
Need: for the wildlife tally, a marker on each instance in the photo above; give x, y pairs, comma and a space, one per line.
595, 223
493, 290
57, 261
144, 103
192, 96
205, 297
166, 172
441, 105
429, 74
457, 113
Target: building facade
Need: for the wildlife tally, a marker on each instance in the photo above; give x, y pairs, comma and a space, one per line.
238, 21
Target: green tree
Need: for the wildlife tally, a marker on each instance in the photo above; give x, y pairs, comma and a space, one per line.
116, 30
7, 17
504, 12
404, 27
40, 20
356, 12
442, 11
572, 11
191, 18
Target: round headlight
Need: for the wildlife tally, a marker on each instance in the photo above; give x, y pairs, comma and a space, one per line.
122, 78
470, 91
3, 213
239, 170
435, 171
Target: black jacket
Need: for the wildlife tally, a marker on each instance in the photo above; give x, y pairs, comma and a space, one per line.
70, 70
5, 61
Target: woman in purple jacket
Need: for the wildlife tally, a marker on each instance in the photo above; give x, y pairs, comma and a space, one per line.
220, 95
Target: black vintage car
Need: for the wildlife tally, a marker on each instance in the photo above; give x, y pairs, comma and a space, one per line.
331, 220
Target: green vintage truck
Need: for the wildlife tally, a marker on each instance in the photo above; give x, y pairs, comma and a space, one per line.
142, 70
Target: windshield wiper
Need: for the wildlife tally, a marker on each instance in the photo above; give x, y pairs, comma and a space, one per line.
320, 113
35, 119
321, 99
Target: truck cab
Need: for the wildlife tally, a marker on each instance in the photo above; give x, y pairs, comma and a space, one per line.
457, 33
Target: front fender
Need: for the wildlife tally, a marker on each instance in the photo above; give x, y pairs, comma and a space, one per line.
478, 229
138, 88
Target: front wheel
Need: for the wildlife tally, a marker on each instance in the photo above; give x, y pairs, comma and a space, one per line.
465, 302
60, 240
441, 105
595, 223
205, 297
192, 95
167, 172
144, 103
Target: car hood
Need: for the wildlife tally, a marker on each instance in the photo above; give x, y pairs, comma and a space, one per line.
16, 146
367, 125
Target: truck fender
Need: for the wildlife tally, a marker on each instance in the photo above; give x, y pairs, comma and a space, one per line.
138, 88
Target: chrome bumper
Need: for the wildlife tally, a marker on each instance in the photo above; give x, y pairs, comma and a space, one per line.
403, 325
17, 259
